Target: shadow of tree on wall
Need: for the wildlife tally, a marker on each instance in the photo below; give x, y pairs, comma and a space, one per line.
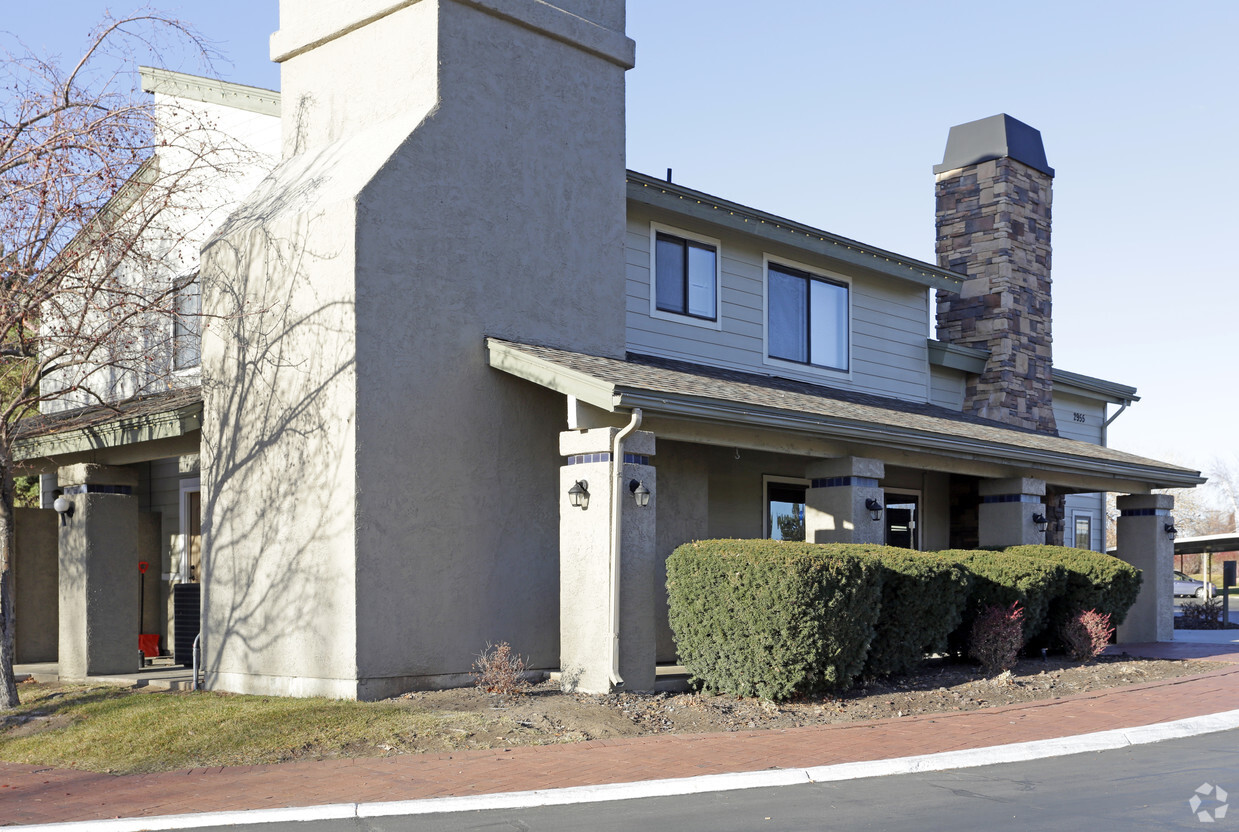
277, 372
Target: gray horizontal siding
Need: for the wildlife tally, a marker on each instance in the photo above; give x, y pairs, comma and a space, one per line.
1067, 406
889, 321
1094, 504
946, 387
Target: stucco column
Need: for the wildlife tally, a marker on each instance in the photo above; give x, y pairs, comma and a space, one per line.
1005, 516
585, 547
98, 572
835, 502
1143, 542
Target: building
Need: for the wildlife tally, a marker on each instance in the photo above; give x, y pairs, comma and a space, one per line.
483, 345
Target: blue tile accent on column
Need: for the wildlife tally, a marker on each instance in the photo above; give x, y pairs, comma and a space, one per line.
605, 456
1013, 498
89, 488
581, 459
1144, 512
851, 482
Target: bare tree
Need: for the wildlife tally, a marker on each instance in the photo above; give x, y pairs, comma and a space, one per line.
100, 196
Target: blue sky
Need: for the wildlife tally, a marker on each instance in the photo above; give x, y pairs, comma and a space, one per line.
834, 114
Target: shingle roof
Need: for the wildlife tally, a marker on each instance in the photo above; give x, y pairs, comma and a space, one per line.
833, 407
97, 415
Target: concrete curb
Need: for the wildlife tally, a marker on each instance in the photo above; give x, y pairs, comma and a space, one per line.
971, 758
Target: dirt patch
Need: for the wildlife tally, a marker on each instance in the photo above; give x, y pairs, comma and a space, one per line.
93, 727
547, 715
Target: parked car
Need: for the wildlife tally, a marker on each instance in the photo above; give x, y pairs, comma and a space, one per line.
1185, 586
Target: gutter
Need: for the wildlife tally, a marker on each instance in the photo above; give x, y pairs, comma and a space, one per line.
617, 493
903, 439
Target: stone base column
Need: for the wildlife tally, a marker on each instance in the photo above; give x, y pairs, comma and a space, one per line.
98, 572
835, 502
1143, 542
585, 533
1005, 516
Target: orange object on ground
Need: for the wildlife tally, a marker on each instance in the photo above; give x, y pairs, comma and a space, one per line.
148, 643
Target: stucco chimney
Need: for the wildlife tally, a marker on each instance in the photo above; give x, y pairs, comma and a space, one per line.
993, 219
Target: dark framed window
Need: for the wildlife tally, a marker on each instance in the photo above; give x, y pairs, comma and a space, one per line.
686, 277
186, 324
807, 318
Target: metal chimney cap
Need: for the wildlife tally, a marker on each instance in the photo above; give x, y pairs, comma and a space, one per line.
993, 138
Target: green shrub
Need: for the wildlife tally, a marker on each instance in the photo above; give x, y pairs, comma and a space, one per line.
1002, 579
923, 596
1095, 581
770, 618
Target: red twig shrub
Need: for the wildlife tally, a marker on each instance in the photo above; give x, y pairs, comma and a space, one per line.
1086, 635
498, 670
997, 637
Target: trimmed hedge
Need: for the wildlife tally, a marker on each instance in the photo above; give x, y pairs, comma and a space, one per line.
923, 597
771, 618
1095, 581
1001, 579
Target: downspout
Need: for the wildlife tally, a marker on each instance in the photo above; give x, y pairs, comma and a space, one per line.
617, 495
1106, 426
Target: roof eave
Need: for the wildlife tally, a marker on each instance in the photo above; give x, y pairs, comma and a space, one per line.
168, 424
901, 438
646, 190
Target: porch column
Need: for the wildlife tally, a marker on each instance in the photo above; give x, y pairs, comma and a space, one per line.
585, 542
835, 502
1005, 516
98, 572
1143, 542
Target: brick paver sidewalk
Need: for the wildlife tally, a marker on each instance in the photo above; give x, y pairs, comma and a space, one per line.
41, 795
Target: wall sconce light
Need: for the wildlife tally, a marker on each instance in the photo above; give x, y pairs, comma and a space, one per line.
1170, 530
875, 509
64, 508
578, 494
639, 493
1041, 520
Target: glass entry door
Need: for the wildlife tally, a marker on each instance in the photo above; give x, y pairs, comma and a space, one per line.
902, 520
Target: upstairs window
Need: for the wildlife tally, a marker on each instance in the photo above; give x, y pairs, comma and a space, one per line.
807, 318
686, 277
186, 328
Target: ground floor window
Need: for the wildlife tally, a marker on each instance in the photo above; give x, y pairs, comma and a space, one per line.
785, 509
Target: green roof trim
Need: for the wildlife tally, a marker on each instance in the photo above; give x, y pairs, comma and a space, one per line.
656, 193
210, 90
162, 416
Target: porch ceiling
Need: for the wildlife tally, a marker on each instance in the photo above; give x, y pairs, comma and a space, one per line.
162, 416
711, 395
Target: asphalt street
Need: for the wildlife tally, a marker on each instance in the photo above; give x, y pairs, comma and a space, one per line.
1138, 787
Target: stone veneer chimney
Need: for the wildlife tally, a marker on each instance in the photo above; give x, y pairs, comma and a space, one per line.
993, 221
